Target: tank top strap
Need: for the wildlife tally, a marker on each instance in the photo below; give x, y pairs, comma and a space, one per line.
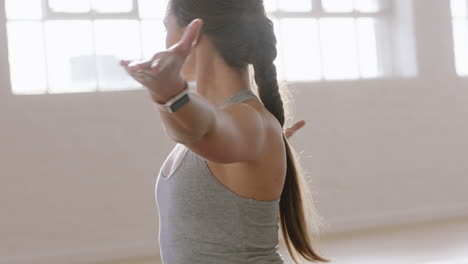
240, 97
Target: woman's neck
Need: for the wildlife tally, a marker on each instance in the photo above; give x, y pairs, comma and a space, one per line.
216, 81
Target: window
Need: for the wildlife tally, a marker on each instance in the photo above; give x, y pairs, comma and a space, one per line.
460, 35
329, 39
67, 46
61, 46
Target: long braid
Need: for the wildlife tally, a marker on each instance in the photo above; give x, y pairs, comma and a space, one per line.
263, 56
292, 202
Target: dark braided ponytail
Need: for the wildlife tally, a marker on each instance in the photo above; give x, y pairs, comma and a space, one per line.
263, 55
243, 35
293, 224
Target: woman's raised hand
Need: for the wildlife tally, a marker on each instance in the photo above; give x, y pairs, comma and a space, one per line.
161, 74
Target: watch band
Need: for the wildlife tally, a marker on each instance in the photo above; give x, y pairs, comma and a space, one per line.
179, 100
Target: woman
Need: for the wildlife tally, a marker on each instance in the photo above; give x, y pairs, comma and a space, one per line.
221, 189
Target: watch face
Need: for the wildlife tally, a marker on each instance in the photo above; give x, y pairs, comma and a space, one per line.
179, 103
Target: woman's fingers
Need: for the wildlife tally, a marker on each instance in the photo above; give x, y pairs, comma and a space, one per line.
162, 59
166, 60
124, 62
139, 76
162, 71
138, 65
298, 125
289, 132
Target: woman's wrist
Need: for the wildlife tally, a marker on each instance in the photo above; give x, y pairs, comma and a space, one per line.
159, 99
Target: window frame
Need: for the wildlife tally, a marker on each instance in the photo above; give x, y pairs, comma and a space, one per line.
317, 12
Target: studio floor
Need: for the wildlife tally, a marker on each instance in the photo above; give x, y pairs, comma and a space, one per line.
435, 242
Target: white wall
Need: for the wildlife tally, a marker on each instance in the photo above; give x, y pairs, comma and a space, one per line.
77, 171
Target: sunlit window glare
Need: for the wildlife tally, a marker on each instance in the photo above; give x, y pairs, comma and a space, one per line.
367, 47
338, 5
116, 6
296, 5
23, 9
149, 9
112, 43
27, 62
344, 6
338, 40
301, 51
70, 56
368, 6
459, 8
71, 6
78, 49
460, 35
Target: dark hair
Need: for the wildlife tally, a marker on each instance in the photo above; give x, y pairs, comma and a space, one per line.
243, 34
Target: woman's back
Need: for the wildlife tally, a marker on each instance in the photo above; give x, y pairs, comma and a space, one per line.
202, 221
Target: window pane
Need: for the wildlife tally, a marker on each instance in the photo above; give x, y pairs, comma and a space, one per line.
23, 9
70, 56
115, 40
296, 5
270, 5
152, 8
339, 49
71, 6
460, 35
154, 37
301, 49
368, 6
367, 47
459, 8
279, 48
114, 6
337, 5
27, 62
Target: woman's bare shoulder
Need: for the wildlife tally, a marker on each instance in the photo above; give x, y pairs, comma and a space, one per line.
273, 127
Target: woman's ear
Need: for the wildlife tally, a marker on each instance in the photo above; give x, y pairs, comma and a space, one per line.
198, 34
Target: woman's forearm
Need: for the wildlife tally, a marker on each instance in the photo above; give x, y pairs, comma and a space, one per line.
191, 122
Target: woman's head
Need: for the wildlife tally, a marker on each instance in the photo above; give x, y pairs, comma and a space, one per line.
235, 27
242, 34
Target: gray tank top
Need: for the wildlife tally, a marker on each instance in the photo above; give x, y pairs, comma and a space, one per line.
201, 221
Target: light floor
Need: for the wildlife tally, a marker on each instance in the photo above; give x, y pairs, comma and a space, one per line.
438, 242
